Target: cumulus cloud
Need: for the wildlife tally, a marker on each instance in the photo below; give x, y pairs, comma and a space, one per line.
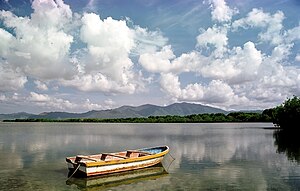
272, 24
35, 97
38, 46
242, 65
237, 66
216, 92
292, 34
85, 52
158, 61
58, 104
10, 79
6, 39
109, 42
147, 41
164, 61
221, 12
2, 97
234, 76
88, 105
107, 66
99, 82
40, 85
297, 58
215, 37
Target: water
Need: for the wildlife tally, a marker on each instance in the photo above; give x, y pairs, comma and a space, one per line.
225, 156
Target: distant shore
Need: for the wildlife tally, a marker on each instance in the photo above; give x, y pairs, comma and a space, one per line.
195, 118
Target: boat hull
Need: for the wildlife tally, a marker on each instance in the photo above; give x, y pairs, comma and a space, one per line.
99, 170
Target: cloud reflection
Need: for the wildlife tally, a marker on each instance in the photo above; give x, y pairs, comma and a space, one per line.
204, 153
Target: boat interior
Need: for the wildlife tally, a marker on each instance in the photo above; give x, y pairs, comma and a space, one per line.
110, 156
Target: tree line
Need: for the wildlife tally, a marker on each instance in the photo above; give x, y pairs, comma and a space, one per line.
194, 118
285, 116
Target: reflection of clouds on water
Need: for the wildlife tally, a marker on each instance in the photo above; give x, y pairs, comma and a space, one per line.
253, 178
13, 161
195, 142
209, 152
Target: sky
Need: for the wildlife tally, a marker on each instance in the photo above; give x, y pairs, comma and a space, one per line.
77, 56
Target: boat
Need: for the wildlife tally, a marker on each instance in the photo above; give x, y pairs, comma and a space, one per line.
107, 163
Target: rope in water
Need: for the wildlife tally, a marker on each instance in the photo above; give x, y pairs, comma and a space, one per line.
74, 171
167, 169
171, 156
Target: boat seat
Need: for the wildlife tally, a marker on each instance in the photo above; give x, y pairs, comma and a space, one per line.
80, 157
136, 153
104, 155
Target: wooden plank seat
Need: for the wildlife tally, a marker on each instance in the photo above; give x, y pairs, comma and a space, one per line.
79, 157
103, 156
139, 153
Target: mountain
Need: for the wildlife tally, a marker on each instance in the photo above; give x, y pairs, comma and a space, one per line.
124, 112
20, 115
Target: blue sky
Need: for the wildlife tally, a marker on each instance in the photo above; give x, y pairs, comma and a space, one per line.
77, 56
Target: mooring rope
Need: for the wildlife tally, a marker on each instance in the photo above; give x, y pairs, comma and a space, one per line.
171, 156
74, 171
167, 169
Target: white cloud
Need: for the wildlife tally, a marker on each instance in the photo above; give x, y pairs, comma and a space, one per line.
106, 66
216, 37
272, 25
88, 105
50, 13
55, 46
99, 82
281, 52
46, 102
243, 75
40, 85
5, 40
158, 61
221, 12
293, 34
297, 58
35, 97
109, 103
2, 98
39, 47
112, 33
241, 65
236, 66
57, 104
216, 92
147, 41
171, 85
164, 61
10, 79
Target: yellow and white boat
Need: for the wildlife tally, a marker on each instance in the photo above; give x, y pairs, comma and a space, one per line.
106, 163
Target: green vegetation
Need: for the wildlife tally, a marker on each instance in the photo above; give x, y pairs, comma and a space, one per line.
195, 118
286, 115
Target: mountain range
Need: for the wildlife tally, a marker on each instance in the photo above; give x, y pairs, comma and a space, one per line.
146, 110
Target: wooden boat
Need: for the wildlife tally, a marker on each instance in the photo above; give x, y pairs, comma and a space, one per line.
106, 163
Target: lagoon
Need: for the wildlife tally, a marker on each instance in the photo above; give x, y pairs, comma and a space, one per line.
208, 156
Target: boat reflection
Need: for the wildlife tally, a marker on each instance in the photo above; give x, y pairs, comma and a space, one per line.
105, 181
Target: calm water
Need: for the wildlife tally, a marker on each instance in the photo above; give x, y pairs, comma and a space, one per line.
239, 156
